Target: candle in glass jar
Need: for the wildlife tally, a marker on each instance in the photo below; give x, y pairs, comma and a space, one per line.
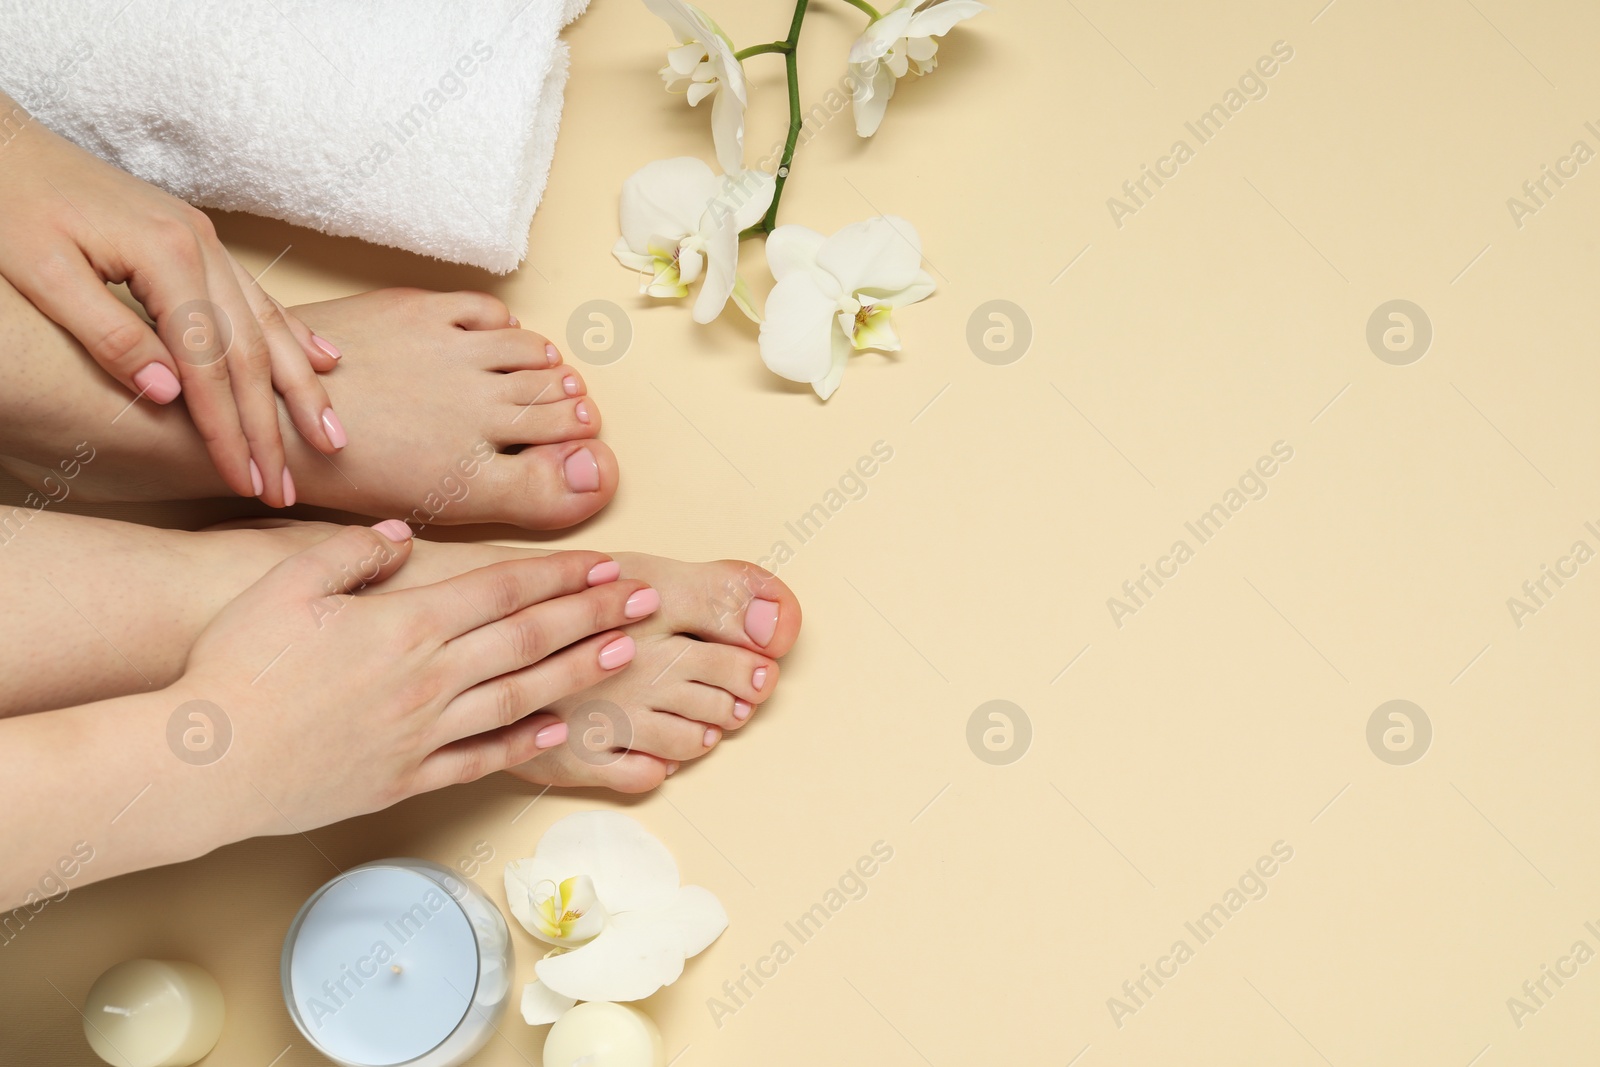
398, 961
153, 1013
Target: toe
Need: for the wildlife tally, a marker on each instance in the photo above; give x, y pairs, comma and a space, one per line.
547, 487
566, 419
511, 350
747, 675
672, 737
738, 603
624, 772
705, 704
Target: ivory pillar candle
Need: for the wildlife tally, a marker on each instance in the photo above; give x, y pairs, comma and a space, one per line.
600, 1034
153, 1013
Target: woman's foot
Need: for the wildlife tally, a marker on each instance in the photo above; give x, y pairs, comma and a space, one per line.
703, 663
452, 415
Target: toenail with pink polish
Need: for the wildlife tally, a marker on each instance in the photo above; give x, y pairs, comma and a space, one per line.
583, 475
617, 653
551, 735
601, 573
741, 710
672, 768
642, 603
570, 384
758, 679
761, 620
581, 409
713, 735
158, 383
550, 354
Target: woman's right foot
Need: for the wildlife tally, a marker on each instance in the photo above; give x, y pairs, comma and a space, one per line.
452, 414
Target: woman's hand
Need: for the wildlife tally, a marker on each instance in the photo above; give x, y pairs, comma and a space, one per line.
312, 705
342, 705
70, 222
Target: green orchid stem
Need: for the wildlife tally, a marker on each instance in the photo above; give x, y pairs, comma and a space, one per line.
788, 46
757, 49
871, 12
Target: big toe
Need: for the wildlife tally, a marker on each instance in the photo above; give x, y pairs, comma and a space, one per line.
737, 603
546, 487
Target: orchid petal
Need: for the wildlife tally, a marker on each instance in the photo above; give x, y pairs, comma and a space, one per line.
795, 336
698, 91
871, 99
666, 197
631, 259
635, 956
744, 300
791, 248
684, 58
541, 1004
920, 288
721, 261
727, 131
700, 918
839, 358
630, 869
883, 253
938, 19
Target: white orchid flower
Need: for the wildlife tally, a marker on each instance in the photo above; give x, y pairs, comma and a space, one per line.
679, 221
898, 42
704, 65
834, 295
605, 892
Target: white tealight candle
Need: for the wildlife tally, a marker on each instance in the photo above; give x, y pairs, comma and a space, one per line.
153, 1013
398, 961
599, 1034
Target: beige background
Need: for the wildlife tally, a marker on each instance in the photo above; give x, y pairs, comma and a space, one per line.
1169, 754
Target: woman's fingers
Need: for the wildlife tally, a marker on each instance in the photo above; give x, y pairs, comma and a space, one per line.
472, 758
292, 376
510, 698
247, 356
462, 604
535, 633
320, 352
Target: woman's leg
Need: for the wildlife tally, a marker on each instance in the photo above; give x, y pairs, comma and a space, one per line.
452, 416
106, 608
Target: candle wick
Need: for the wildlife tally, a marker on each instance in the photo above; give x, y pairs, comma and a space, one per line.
395, 967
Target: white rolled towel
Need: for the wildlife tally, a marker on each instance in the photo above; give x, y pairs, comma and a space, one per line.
427, 125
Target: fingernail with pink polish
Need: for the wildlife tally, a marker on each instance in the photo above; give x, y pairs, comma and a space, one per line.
550, 354
758, 679
570, 384
551, 735
158, 383
642, 603
334, 429
601, 573
581, 410
257, 485
395, 530
326, 346
583, 473
761, 620
616, 653
288, 488
741, 710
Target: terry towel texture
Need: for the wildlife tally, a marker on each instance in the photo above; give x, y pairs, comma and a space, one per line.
424, 124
